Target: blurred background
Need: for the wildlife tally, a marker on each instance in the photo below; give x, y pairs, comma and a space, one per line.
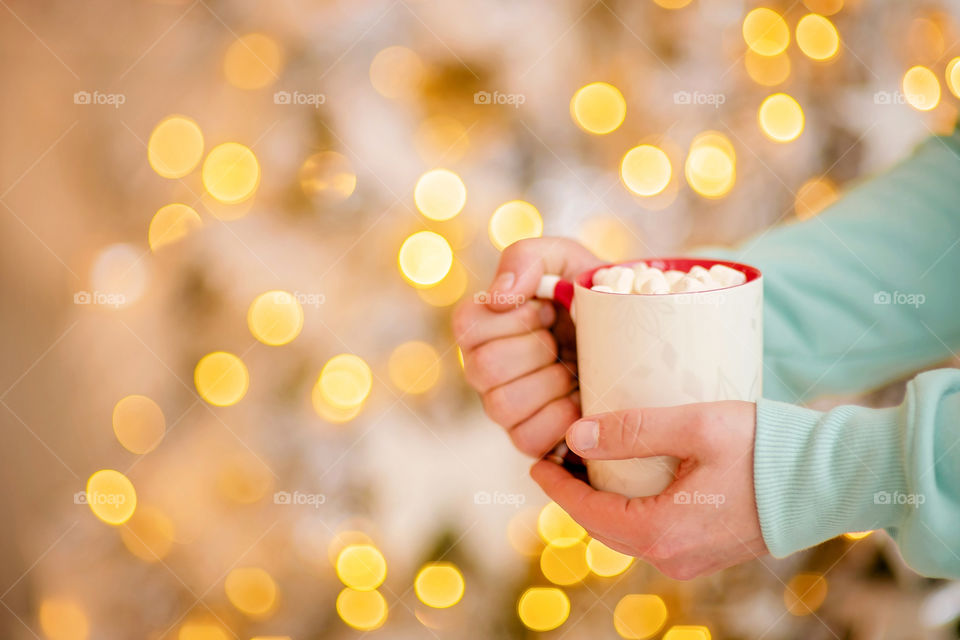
232, 234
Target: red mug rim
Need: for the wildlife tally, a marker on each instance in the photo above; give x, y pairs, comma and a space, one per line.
585, 279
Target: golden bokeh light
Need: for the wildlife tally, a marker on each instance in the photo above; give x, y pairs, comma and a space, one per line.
396, 72
564, 562
343, 539
857, 535
414, 367
138, 423
203, 631
687, 632
805, 593
766, 32
606, 562
449, 290
921, 88
817, 37
363, 610
925, 41
814, 196
824, 7
441, 138
361, 567
952, 76
607, 237
767, 71
781, 118
513, 221
111, 496
598, 108
440, 194
252, 591
223, 210
119, 276
710, 170
522, 533
557, 527
327, 177
543, 608
275, 318
425, 258
244, 478
175, 146
221, 378
329, 412
345, 381
673, 4
439, 585
231, 173
63, 619
638, 616
171, 224
645, 170
253, 61
148, 534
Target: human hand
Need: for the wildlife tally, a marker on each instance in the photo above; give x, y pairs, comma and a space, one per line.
706, 520
520, 353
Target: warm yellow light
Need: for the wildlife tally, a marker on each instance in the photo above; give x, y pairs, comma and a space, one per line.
343, 539
608, 238
148, 534
345, 381
138, 423
231, 172
814, 196
202, 631
414, 367
805, 593
543, 608
244, 478
564, 563
442, 139
925, 41
781, 118
513, 221
63, 619
172, 223
921, 88
555, 526
817, 37
687, 632
598, 108
329, 412
361, 567
111, 496
396, 72
327, 177
460, 357
251, 590
606, 562
275, 318
824, 7
767, 71
638, 616
221, 378
645, 170
253, 61
425, 258
440, 194
710, 171
118, 276
522, 533
766, 32
673, 4
448, 290
175, 146
439, 585
857, 535
953, 76
363, 610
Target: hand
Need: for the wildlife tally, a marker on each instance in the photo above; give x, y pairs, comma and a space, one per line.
520, 353
706, 520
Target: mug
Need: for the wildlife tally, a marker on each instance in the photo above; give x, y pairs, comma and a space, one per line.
655, 350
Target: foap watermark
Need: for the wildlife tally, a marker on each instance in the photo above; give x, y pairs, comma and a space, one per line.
499, 498
713, 499
299, 498
699, 97
513, 99
98, 497
918, 100
99, 98
497, 297
899, 498
701, 298
899, 297
309, 299
99, 298
298, 97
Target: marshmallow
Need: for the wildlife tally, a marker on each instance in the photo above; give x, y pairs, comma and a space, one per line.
698, 272
655, 284
727, 276
689, 284
601, 276
673, 276
621, 279
640, 267
644, 276
602, 288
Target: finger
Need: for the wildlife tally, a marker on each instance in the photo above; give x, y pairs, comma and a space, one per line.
637, 433
474, 324
501, 361
541, 432
524, 262
514, 402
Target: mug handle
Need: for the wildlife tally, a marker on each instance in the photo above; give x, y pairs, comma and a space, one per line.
555, 288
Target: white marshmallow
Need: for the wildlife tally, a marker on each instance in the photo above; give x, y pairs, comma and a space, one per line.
639, 268
698, 272
689, 284
644, 276
601, 276
621, 279
673, 276
727, 276
655, 284
602, 288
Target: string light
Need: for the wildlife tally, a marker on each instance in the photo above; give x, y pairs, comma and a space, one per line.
439, 585
608, 238
767, 71
817, 37
148, 534
814, 196
673, 4
202, 631
685, 632
804, 594
330, 412
345, 381
824, 7
425, 258
564, 562
781, 118
396, 72
440, 194
251, 590
175, 146
221, 378
645, 170
598, 108
363, 610
414, 367
275, 318
231, 173
543, 608
327, 177
441, 138
606, 562
921, 88
710, 168
766, 32
361, 567
63, 619
244, 478
138, 423
449, 290
857, 535
638, 616
556, 526
513, 221
522, 533
953, 76
171, 224
253, 61
111, 496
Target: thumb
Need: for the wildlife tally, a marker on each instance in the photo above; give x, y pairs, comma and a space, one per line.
637, 433
524, 262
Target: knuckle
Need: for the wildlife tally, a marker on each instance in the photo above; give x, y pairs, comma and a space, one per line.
523, 440
462, 322
484, 366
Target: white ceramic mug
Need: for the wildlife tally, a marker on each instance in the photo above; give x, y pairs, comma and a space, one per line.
655, 350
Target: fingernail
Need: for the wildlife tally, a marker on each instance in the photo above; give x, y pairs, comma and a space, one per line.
504, 282
585, 435
546, 313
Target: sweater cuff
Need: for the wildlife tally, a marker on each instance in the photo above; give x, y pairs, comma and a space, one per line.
818, 475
